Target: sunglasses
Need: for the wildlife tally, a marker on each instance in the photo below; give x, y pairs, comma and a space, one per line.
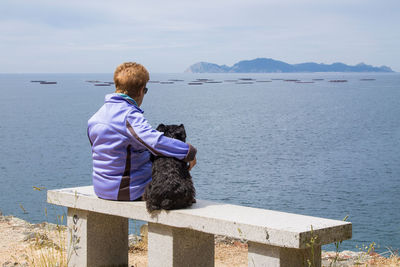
145, 90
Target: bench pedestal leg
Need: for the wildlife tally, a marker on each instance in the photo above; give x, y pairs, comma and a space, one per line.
96, 239
171, 246
265, 255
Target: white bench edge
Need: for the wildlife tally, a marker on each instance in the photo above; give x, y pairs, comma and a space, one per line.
200, 217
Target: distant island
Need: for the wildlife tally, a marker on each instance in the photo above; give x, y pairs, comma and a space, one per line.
265, 65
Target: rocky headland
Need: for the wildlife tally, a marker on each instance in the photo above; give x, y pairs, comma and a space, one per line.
269, 65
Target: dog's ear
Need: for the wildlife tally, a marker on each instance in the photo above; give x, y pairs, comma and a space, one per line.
161, 128
181, 133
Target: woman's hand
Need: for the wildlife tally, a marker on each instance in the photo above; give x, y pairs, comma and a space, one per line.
192, 163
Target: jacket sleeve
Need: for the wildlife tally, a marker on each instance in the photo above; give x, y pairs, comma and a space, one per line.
156, 142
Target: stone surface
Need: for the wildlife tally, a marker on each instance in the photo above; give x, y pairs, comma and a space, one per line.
256, 225
97, 239
170, 246
261, 255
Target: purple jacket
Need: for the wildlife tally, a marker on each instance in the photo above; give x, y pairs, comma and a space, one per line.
122, 140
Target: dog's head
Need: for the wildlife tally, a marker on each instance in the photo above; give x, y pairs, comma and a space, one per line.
173, 131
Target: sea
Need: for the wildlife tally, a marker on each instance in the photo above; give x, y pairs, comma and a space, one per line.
322, 144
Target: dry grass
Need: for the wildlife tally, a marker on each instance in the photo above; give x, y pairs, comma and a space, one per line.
48, 247
392, 261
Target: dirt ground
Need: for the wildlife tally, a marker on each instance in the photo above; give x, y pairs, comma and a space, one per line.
25, 244
225, 256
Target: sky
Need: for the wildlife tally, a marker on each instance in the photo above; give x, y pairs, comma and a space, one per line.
85, 36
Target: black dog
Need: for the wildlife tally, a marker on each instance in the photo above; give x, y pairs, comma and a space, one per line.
171, 186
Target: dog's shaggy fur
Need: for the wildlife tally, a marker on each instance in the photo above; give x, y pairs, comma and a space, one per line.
171, 186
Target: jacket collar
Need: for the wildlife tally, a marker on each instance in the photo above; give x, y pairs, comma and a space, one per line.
118, 98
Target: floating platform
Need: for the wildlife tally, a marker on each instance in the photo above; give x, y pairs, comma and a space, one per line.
166, 82
367, 79
338, 81
303, 82
37, 81
195, 83
44, 82
93, 81
102, 84
263, 81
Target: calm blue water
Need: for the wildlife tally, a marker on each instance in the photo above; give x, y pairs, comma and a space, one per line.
323, 149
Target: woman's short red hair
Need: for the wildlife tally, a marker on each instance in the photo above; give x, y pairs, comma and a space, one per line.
130, 78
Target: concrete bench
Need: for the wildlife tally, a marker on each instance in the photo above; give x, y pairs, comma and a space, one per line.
99, 232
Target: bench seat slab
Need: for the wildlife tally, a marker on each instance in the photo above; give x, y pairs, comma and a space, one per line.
96, 239
257, 225
261, 255
179, 247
